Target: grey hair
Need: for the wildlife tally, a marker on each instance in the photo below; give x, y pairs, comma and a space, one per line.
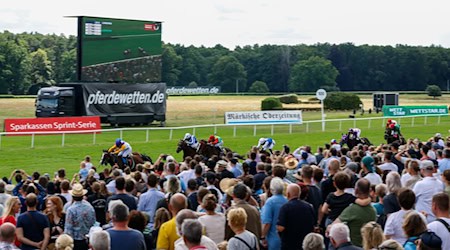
313, 241
100, 241
192, 230
393, 182
276, 185
340, 233
183, 215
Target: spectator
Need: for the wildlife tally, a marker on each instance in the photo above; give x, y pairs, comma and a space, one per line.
137, 220
148, 200
123, 237
12, 207
80, 217
413, 174
313, 241
56, 217
356, 215
340, 237
266, 191
121, 194
413, 226
213, 222
314, 194
440, 208
65, 186
270, 213
390, 201
100, 241
390, 245
3, 196
167, 233
446, 180
327, 186
192, 192
259, 177
292, 214
33, 228
162, 215
192, 234
64, 242
7, 236
380, 193
111, 185
430, 241
182, 216
444, 164
243, 239
368, 171
372, 235
98, 202
426, 188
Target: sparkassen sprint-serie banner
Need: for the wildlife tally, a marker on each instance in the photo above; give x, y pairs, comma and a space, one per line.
101, 98
264, 117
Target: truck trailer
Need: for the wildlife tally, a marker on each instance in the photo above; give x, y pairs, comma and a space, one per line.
114, 103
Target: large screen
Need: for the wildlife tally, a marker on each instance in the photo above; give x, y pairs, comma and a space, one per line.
119, 50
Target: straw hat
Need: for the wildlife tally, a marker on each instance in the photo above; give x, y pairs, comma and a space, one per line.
291, 163
147, 165
298, 175
77, 190
227, 183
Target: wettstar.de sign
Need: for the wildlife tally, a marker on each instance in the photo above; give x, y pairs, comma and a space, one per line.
52, 124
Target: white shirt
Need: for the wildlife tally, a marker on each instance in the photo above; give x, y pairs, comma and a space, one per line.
441, 231
394, 222
388, 166
214, 226
373, 178
186, 175
205, 241
405, 177
424, 190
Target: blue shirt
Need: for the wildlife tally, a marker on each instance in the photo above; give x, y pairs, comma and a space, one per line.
236, 172
148, 201
444, 164
269, 215
80, 217
126, 239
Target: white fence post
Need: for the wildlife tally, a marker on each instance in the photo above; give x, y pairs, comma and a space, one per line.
399, 121
271, 130
425, 120
412, 122
121, 134
62, 139
307, 127
340, 125
215, 129
439, 119
94, 135
383, 123
32, 140
368, 125
146, 135
170, 134
234, 131
290, 128
354, 122
1, 141
193, 131
254, 130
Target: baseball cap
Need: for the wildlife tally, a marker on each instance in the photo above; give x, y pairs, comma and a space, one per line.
368, 162
431, 239
427, 164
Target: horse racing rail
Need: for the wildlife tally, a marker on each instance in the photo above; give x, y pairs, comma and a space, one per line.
264, 129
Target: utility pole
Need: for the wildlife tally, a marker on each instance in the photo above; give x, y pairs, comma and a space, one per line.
237, 86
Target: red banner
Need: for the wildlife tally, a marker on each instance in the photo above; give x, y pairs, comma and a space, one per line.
52, 124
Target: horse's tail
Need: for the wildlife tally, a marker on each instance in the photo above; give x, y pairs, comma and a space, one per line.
146, 158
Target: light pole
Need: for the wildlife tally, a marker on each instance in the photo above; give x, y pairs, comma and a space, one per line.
237, 86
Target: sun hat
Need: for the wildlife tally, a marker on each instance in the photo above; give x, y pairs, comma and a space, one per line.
77, 190
227, 183
291, 163
222, 163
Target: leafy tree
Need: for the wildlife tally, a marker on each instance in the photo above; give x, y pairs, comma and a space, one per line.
41, 70
226, 72
433, 90
193, 85
14, 66
342, 101
312, 74
259, 87
171, 63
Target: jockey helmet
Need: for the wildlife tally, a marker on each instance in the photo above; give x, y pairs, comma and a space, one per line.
187, 136
333, 141
262, 140
212, 137
392, 126
438, 135
119, 142
350, 130
389, 120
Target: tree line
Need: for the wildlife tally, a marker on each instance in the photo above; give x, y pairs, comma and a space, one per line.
31, 60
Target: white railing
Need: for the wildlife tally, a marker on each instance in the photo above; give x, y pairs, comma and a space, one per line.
307, 125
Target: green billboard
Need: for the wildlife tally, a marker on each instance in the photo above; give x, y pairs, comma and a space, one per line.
119, 50
414, 110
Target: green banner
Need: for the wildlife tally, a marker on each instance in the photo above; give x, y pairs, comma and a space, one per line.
414, 110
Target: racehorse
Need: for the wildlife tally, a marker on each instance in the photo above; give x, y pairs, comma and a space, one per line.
187, 150
351, 140
112, 159
208, 150
390, 136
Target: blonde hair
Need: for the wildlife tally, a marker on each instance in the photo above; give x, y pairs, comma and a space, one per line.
372, 235
162, 215
9, 204
313, 241
237, 217
64, 242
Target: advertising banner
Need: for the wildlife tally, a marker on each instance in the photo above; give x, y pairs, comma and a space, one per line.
101, 98
52, 124
192, 90
414, 110
264, 117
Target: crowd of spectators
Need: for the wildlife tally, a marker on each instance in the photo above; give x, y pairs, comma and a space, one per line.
389, 196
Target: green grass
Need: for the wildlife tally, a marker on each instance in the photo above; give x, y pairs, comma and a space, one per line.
48, 154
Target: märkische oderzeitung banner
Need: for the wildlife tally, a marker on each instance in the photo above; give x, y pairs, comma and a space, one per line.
414, 110
263, 117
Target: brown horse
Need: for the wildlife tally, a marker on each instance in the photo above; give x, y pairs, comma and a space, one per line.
187, 150
112, 159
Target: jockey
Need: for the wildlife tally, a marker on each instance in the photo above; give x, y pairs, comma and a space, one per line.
122, 149
335, 144
216, 141
191, 141
266, 144
355, 132
390, 121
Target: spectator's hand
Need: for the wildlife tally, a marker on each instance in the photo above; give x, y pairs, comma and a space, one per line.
39, 244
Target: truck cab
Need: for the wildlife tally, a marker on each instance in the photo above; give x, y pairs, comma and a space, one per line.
55, 101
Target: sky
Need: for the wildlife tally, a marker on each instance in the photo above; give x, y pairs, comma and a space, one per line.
234, 23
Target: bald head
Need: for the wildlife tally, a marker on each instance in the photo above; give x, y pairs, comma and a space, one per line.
293, 191
7, 232
177, 203
333, 166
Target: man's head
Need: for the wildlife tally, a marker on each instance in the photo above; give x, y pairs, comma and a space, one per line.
368, 163
427, 168
181, 217
240, 191
276, 186
152, 180
406, 198
333, 166
7, 232
177, 203
440, 204
339, 234
191, 230
362, 188
100, 241
293, 191
31, 200
119, 213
